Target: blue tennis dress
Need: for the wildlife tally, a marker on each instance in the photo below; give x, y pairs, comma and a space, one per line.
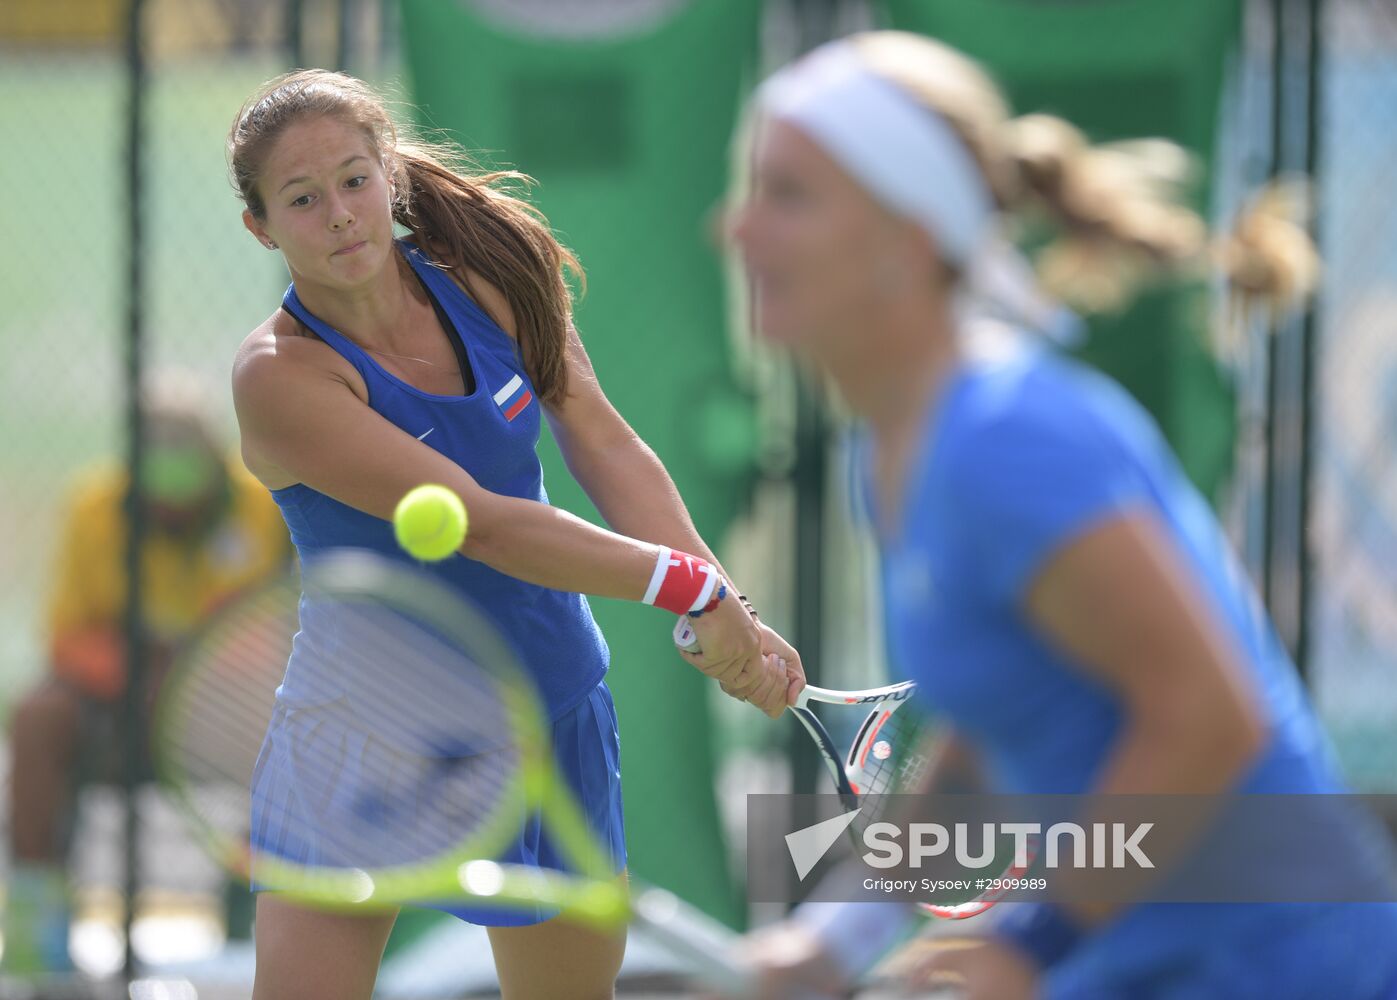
492, 433
1020, 456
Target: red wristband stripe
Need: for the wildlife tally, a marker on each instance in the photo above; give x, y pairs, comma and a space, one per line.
687, 584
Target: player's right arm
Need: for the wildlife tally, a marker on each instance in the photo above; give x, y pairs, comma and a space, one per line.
306, 419
301, 415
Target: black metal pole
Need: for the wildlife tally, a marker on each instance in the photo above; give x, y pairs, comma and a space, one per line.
345, 11
295, 33
815, 22
133, 714
387, 33
814, 25
1270, 456
1309, 423
1291, 349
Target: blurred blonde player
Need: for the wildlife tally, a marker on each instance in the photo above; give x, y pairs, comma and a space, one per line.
1053, 582
213, 530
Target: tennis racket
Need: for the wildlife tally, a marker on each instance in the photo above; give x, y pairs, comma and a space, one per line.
887, 755
884, 755
404, 754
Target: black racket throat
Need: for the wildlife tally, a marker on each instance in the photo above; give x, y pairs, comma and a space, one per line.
862, 737
834, 761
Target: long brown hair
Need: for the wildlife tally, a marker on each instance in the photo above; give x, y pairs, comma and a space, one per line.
467, 218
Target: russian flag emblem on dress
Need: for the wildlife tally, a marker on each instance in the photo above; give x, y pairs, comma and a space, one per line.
513, 398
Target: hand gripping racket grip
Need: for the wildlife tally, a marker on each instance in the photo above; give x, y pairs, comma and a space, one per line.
684, 636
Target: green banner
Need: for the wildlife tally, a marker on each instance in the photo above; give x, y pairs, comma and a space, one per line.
1123, 69
628, 136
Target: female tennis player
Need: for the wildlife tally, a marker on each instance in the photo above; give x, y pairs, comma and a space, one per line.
397, 362
1053, 582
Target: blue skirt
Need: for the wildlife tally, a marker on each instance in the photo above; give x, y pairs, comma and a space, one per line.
586, 751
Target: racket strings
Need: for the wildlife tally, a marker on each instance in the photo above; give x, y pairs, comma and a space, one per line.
400, 749
887, 758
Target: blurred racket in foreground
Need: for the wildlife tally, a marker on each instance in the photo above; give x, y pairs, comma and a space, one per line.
889, 754
413, 752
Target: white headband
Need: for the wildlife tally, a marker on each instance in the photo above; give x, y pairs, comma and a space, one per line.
906, 155
910, 158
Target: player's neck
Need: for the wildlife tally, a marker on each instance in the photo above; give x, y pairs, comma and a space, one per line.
377, 315
899, 363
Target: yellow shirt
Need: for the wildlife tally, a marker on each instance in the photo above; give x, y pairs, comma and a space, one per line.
183, 581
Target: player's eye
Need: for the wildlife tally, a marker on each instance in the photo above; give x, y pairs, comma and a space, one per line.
355, 182
785, 192
301, 202
780, 189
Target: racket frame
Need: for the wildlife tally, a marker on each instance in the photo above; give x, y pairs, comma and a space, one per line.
846, 769
347, 576
593, 894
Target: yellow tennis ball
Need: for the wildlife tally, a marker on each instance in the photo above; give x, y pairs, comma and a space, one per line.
430, 522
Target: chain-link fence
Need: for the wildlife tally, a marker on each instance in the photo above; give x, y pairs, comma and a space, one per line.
1355, 458
65, 71
206, 282
63, 277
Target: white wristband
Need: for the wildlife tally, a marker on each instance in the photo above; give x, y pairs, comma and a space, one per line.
710, 585
658, 577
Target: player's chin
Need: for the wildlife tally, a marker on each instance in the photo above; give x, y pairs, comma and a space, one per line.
779, 321
360, 264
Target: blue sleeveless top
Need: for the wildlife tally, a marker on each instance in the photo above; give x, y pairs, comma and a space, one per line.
492, 433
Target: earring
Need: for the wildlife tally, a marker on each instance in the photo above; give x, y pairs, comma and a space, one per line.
271, 245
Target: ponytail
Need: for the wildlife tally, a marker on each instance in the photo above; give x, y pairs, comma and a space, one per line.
472, 220
1114, 216
1115, 209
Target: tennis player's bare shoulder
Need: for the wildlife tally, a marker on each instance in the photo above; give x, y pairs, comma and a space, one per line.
283, 348
281, 359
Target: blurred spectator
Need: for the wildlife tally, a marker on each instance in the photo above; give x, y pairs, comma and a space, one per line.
213, 530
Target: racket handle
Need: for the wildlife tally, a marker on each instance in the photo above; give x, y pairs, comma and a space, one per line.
684, 636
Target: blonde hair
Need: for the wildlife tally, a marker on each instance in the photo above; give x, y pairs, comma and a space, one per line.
465, 217
1117, 210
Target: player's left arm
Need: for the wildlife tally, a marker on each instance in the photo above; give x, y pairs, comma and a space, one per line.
609, 460
1121, 603
1092, 568
614, 466
1059, 527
